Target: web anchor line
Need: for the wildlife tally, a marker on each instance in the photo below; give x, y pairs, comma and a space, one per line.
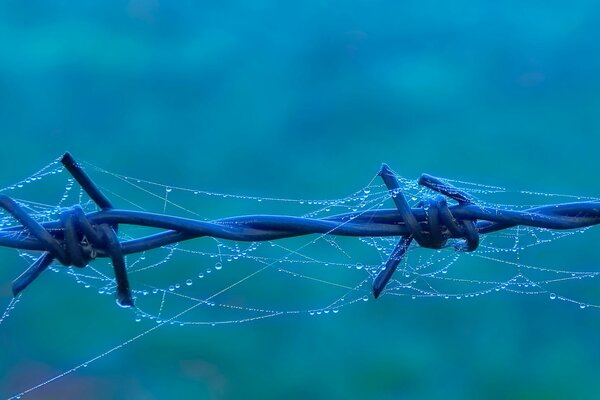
76, 238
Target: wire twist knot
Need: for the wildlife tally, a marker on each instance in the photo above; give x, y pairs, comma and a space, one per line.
76, 240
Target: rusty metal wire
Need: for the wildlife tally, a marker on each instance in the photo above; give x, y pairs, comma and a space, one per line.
77, 238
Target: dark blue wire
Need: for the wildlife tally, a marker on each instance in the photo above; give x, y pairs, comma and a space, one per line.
77, 237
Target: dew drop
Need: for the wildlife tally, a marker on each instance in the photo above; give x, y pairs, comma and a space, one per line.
171, 288
218, 266
188, 282
552, 296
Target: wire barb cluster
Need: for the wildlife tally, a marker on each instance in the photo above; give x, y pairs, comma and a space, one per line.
77, 238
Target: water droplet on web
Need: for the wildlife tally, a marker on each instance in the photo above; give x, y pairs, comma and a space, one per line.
218, 266
200, 275
168, 190
552, 296
366, 191
188, 282
171, 288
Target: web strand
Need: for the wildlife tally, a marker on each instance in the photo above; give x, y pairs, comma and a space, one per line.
247, 281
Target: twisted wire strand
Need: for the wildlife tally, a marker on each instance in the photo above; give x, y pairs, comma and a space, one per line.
77, 238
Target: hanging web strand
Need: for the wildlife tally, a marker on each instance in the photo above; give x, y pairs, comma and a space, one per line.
213, 281
334, 271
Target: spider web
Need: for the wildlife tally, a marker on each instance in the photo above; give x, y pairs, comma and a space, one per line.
207, 281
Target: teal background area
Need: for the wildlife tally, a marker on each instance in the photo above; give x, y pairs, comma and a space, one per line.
306, 99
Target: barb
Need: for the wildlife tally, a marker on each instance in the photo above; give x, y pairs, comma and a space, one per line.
77, 238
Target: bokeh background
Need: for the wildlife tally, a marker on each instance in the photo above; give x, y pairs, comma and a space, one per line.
306, 99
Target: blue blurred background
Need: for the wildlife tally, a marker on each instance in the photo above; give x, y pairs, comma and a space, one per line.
240, 96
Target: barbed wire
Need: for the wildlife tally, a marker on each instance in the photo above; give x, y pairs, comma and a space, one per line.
77, 238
